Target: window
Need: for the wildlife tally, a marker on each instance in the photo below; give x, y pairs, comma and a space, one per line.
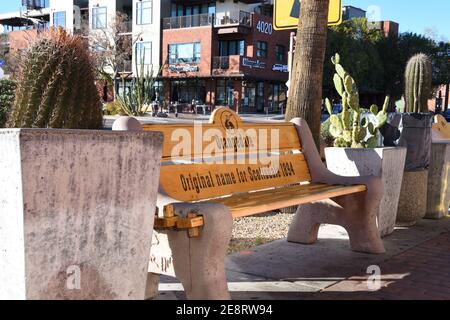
59, 19
260, 96
224, 93
261, 51
184, 53
144, 12
187, 90
178, 10
144, 53
99, 18
279, 52
248, 95
230, 48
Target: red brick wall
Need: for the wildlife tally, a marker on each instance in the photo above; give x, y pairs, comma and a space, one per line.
251, 39
204, 35
209, 40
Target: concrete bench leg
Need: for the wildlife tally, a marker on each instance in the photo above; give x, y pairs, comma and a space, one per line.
350, 212
199, 263
151, 289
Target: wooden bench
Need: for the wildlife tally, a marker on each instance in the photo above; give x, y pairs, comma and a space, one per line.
441, 128
227, 169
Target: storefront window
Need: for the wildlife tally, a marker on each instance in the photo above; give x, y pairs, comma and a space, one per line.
224, 93
249, 95
277, 97
185, 91
260, 97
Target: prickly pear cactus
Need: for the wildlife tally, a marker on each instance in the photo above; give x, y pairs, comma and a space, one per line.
347, 128
56, 87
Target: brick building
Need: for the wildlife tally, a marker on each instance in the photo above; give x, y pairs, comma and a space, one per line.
229, 55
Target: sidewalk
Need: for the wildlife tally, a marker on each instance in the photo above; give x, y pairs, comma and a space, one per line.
416, 266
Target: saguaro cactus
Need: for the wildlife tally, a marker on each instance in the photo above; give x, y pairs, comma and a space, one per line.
56, 87
347, 128
418, 87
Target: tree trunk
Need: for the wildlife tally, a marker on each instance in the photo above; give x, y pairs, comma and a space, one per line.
305, 92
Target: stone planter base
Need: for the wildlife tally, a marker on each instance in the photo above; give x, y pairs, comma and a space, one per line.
76, 213
438, 181
413, 198
387, 163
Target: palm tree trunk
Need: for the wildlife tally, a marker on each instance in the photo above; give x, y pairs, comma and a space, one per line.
305, 92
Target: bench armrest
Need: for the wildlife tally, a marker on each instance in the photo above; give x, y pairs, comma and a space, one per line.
319, 172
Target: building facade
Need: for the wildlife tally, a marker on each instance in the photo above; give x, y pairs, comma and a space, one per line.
224, 53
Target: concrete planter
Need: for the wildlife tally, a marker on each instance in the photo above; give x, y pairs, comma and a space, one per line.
387, 163
438, 199
412, 205
76, 213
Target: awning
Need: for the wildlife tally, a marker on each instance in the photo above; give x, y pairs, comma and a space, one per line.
20, 21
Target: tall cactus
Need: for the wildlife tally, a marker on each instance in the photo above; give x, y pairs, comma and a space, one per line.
56, 87
347, 128
418, 87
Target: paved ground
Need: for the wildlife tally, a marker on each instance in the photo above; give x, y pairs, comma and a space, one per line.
416, 265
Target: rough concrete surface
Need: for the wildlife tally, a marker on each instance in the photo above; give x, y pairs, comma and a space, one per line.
77, 213
438, 199
412, 205
387, 163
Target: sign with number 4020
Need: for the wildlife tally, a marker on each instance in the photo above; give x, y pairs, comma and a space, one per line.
264, 27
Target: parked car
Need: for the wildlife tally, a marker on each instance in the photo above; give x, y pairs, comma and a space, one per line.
337, 108
446, 115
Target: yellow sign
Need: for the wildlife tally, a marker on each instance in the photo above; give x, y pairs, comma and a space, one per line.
287, 13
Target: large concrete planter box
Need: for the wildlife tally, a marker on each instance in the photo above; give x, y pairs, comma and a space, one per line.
387, 163
76, 213
438, 199
412, 205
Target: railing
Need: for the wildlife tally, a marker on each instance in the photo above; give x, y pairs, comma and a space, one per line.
236, 18
226, 64
221, 63
197, 20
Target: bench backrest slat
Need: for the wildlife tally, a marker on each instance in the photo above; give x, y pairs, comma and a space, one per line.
193, 182
247, 157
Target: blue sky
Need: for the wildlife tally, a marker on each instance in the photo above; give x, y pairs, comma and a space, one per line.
413, 15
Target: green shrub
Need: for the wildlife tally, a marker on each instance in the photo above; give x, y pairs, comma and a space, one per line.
113, 109
7, 88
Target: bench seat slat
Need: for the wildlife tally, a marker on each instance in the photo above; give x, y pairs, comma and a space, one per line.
248, 204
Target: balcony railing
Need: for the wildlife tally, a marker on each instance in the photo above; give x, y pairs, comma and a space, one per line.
221, 63
197, 20
236, 18
226, 64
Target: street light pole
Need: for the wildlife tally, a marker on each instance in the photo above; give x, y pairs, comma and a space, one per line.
291, 58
